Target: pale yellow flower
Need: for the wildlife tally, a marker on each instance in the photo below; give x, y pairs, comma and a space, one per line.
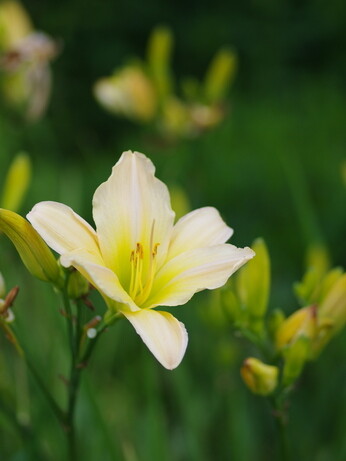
137, 258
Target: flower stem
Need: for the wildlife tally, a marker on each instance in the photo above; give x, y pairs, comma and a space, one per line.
78, 363
280, 418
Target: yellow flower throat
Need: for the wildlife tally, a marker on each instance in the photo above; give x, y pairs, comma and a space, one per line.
138, 290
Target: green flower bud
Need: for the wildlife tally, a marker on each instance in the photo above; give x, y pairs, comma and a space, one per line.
219, 76
295, 358
260, 378
78, 286
302, 323
2, 286
16, 182
253, 282
35, 254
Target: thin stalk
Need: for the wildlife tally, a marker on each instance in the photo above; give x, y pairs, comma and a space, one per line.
280, 418
69, 319
50, 400
37, 378
12, 418
78, 363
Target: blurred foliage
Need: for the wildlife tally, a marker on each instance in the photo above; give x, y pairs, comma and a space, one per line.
275, 167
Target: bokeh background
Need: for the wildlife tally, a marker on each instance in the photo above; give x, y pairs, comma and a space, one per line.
275, 168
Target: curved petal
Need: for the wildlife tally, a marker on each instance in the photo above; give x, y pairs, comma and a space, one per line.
132, 206
199, 228
102, 278
62, 229
163, 334
196, 270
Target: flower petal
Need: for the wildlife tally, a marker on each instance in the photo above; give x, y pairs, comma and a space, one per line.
199, 228
163, 334
102, 278
128, 208
196, 270
62, 229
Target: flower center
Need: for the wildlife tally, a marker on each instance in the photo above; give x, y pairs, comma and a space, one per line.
140, 285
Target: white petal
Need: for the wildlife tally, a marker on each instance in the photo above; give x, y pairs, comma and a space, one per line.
199, 228
163, 334
102, 278
126, 208
62, 229
196, 270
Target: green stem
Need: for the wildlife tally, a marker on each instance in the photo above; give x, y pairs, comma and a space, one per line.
78, 363
280, 418
22, 429
52, 403
50, 400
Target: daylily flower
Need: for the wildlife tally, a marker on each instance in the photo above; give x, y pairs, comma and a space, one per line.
137, 258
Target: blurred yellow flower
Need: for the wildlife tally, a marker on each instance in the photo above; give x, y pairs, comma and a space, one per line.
138, 259
128, 92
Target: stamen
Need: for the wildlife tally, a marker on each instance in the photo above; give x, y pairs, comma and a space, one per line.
139, 292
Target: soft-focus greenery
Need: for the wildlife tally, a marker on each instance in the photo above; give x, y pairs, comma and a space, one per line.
274, 168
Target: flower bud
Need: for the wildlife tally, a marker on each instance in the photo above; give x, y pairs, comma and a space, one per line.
332, 313
35, 254
295, 358
260, 378
159, 56
219, 76
14, 23
275, 320
2, 286
78, 286
317, 263
302, 323
16, 182
253, 282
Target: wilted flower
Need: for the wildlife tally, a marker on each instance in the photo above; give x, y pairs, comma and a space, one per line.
25, 55
137, 258
144, 91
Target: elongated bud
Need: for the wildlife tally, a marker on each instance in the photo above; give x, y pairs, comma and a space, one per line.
275, 320
159, 55
219, 76
260, 378
253, 281
14, 23
2, 286
35, 254
317, 263
16, 182
295, 358
302, 323
78, 286
332, 313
